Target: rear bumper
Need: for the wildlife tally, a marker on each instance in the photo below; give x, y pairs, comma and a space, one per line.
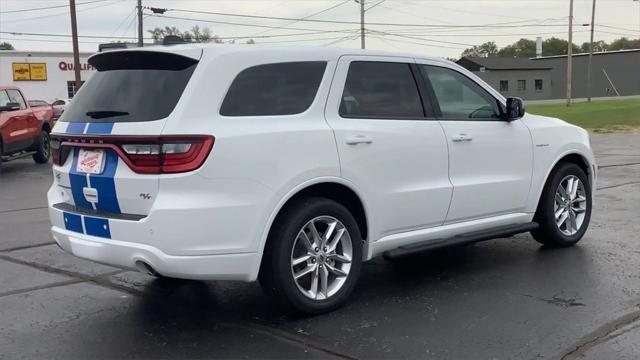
128, 255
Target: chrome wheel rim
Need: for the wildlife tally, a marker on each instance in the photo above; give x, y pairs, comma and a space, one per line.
321, 257
570, 205
45, 145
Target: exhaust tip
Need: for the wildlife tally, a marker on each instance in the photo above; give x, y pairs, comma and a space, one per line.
146, 268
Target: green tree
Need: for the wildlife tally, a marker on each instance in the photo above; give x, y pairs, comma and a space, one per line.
598, 46
624, 43
554, 46
484, 50
522, 48
195, 35
6, 46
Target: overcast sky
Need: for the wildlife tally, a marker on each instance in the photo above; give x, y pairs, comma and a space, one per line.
442, 35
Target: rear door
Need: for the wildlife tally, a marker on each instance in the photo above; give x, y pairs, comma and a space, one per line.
490, 159
108, 138
390, 146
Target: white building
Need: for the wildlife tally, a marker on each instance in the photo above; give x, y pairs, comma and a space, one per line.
42, 75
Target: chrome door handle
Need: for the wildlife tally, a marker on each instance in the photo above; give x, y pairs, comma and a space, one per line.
461, 138
358, 139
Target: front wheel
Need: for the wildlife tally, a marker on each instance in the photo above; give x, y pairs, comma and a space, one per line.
313, 256
42, 148
564, 211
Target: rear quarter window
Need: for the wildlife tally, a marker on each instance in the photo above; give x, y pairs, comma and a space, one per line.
274, 89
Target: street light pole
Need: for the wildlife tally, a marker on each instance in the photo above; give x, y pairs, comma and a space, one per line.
569, 53
74, 41
593, 16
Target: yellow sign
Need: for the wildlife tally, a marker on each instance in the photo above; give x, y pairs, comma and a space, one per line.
38, 71
21, 72
29, 71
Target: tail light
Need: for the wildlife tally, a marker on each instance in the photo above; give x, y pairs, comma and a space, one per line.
143, 154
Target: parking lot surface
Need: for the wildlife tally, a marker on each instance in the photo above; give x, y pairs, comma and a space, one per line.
501, 299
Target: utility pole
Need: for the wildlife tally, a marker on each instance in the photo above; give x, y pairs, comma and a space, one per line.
569, 53
76, 51
638, 16
593, 16
362, 24
140, 35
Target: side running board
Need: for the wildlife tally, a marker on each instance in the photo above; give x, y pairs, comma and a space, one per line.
476, 236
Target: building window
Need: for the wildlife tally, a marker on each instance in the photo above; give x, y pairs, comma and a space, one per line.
504, 85
522, 85
538, 85
71, 88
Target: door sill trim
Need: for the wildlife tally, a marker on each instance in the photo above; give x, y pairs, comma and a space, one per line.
462, 239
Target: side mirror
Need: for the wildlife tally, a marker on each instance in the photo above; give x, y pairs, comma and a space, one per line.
514, 109
12, 106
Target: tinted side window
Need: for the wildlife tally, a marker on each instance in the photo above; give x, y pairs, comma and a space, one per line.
4, 98
380, 90
274, 89
16, 97
458, 96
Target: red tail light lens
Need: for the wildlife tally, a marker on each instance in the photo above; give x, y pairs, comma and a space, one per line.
143, 154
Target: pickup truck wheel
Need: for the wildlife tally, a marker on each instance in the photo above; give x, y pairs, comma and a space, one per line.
313, 256
43, 148
565, 207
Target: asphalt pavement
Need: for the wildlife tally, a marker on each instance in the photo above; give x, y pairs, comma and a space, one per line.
500, 299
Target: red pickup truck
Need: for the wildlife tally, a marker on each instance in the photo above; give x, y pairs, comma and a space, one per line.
22, 133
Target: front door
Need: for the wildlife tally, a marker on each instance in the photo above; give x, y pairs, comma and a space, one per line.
490, 159
390, 146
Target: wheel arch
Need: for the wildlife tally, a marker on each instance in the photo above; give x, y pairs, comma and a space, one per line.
573, 157
332, 188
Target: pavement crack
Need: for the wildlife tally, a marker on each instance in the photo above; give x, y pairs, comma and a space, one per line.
289, 337
557, 300
23, 209
618, 165
27, 246
41, 287
600, 335
618, 185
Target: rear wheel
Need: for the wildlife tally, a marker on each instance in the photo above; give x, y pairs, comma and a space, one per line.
564, 211
313, 256
42, 148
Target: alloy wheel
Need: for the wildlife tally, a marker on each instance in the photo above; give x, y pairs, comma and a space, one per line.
321, 257
570, 205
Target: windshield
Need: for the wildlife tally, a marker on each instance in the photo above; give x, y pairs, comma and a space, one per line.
131, 86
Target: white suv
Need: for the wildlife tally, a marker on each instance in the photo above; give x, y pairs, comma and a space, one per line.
294, 165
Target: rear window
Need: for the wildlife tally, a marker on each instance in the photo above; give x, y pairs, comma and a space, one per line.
131, 87
274, 89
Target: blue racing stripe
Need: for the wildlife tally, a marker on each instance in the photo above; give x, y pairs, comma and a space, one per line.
97, 227
76, 128
78, 181
72, 222
99, 128
106, 185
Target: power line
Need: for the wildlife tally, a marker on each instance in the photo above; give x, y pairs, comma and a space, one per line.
353, 22
67, 35
59, 14
49, 7
306, 17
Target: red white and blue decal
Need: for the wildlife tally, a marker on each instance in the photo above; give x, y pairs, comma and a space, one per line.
103, 183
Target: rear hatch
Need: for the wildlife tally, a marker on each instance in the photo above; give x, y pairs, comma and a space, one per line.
108, 151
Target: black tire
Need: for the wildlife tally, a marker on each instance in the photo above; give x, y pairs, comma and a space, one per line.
43, 148
276, 273
549, 233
